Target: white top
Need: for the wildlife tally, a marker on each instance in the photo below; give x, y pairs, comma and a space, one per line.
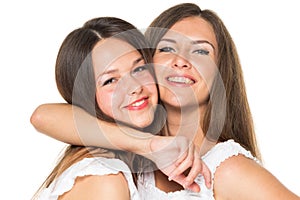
213, 158
89, 166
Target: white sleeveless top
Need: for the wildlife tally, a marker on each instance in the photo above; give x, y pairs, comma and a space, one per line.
213, 158
89, 166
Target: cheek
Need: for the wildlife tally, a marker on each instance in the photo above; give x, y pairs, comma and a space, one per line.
146, 79
202, 93
206, 69
104, 101
209, 76
162, 59
152, 88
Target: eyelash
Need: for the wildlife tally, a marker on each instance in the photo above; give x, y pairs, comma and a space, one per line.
202, 51
166, 49
134, 71
170, 49
140, 69
109, 81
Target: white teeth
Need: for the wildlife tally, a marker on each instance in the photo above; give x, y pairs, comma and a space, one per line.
180, 80
138, 103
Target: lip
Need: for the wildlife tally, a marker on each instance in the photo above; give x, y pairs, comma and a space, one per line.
138, 104
180, 80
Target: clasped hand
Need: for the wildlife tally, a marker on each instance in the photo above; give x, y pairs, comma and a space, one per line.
176, 155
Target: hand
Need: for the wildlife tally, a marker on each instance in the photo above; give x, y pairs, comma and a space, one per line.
196, 165
174, 155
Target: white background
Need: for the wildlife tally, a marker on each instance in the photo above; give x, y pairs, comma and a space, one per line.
267, 37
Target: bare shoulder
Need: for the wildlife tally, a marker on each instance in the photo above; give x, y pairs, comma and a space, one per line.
239, 177
99, 187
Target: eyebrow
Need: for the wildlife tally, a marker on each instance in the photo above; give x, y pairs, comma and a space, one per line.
193, 42
137, 61
111, 71
203, 41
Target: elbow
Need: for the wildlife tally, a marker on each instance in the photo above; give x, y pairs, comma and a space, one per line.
37, 118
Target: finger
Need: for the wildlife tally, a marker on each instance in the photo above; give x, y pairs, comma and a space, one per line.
181, 159
181, 180
184, 149
206, 174
188, 155
184, 165
194, 187
194, 172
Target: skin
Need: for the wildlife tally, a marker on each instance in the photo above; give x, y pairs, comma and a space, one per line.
184, 53
259, 183
98, 187
139, 100
125, 88
174, 60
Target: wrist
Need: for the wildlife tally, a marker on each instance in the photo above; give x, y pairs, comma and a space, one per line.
148, 146
136, 142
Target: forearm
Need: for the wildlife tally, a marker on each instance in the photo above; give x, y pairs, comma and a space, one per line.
73, 125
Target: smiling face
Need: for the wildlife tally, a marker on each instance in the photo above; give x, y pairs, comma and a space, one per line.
185, 62
126, 90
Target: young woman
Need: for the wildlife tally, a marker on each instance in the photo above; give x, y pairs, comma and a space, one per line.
87, 77
192, 51
103, 68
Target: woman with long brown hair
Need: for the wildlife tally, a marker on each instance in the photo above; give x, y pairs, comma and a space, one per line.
89, 71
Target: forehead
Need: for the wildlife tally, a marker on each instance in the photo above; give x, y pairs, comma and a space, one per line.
108, 51
194, 28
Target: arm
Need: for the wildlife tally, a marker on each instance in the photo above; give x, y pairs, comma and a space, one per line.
241, 178
98, 187
73, 125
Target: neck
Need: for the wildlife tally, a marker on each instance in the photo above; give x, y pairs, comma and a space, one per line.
186, 121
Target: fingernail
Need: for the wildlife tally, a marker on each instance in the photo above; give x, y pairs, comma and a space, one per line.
186, 184
209, 185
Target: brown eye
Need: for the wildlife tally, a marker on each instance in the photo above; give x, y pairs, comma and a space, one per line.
109, 81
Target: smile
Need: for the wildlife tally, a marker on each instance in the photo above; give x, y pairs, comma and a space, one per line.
181, 80
138, 104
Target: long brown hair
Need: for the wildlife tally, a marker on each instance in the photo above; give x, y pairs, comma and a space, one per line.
237, 122
76, 83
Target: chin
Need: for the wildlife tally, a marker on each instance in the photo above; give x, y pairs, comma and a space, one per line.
144, 124
138, 124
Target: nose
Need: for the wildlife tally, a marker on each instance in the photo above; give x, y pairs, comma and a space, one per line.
181, 63
137, 90
135, 87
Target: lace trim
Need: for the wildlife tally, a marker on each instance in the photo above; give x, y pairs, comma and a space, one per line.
148, 190
213, 158
88, 166
222, 151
